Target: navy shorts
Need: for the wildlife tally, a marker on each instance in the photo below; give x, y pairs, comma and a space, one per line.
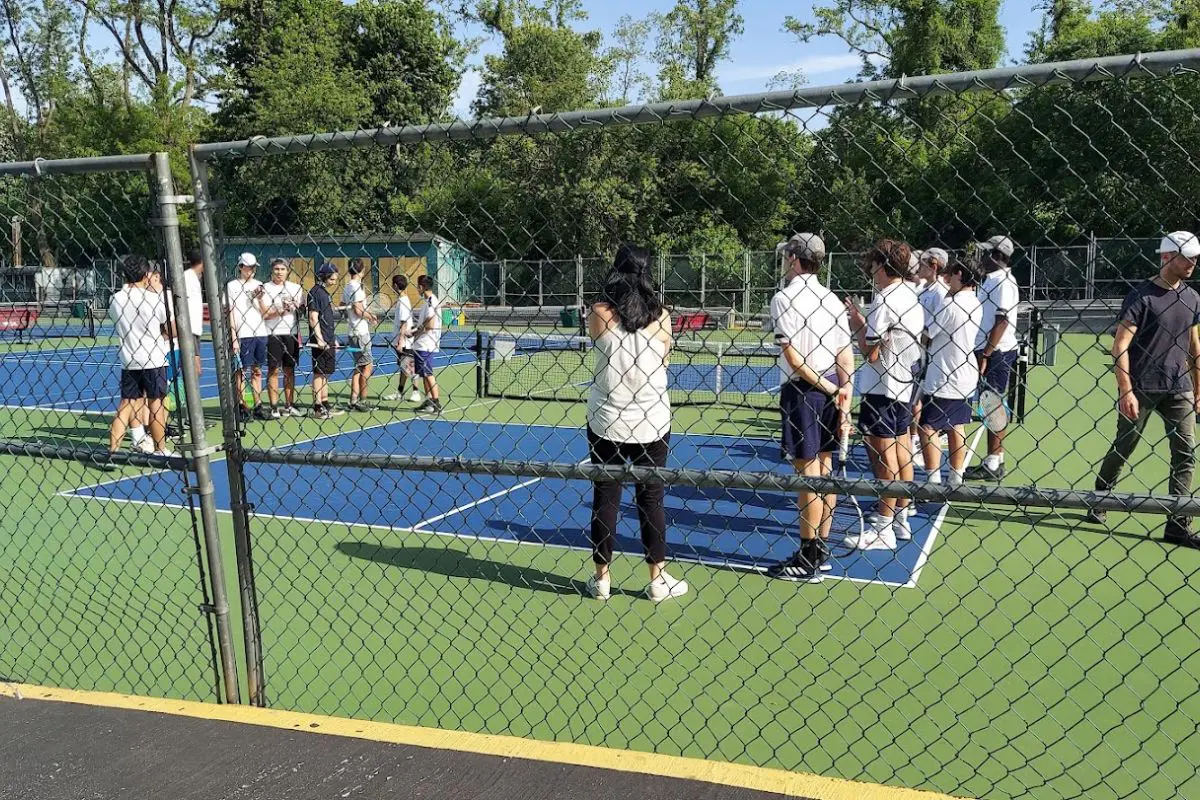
253, 351
423, 363
148, 383
880, 415
324, 361
999, 369
810, 421
944, 413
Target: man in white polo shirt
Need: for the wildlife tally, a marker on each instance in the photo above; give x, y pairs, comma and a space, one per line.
952, 374
246, 307
427, 325
996, 345
816, 366
282, 298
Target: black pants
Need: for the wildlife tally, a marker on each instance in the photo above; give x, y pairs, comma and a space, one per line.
606, 498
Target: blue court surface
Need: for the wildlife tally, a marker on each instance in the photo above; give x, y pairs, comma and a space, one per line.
87, 379
731, 528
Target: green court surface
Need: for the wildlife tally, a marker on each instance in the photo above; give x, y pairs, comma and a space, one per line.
1039, 655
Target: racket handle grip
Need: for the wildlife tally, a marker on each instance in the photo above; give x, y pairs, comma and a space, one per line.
844, 448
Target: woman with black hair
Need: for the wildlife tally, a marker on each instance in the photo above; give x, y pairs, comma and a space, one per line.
629, 414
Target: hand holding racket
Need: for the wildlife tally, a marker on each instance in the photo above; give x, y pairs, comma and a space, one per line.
993, 410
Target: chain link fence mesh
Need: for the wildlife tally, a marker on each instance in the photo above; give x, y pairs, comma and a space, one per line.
426, 559
97, 592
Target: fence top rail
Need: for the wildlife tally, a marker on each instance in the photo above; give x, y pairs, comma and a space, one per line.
137, 162
1025, 76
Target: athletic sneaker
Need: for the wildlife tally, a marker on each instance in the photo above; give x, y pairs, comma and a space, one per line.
359, 407
901, 526
320, 412
172, 430
1177, 533
415, 397
144, 446
664, 586
982, 472
167, 452
799, 568
599, 588
877, 535
261, 412
334, 411
276, 413
1096, 516
825, 557
292, 411
429, 407
392, 397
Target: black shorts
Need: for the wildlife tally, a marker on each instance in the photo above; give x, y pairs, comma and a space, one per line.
147, 383
324, 361
283, 351
810, 421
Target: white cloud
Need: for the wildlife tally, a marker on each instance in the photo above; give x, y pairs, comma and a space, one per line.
468, 87
813, 65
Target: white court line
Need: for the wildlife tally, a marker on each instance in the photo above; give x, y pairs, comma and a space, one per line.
936, 526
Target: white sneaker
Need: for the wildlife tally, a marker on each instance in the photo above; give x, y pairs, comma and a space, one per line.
665, 586
599, 588
415, 397
292, 411
144, 446
877, 535
901, 525
165, 452
392, 397
955, 480
276, 414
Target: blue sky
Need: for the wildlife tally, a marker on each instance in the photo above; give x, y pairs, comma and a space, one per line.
765, 49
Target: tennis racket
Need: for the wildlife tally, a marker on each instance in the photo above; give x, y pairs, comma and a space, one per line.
843, 460
993, 410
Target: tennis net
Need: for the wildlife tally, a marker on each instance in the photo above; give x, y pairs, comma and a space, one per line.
560, 368
27, 322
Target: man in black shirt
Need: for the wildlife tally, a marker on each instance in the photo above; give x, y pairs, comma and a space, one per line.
1156, 353
321, 321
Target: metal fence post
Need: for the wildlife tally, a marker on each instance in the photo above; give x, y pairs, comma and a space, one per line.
541, 280
233, 447
746, 284
703, 278
198, 449
579, 293
1089, 285
502, 290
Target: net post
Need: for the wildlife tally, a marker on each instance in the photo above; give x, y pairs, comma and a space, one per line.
168, 220
234, 461
746, 285
703, 279
479, 364
719, 373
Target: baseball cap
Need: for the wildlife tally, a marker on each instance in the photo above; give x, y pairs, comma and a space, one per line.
999, 242
247, 260
325, 270
936, 254
1180, 242
808, 246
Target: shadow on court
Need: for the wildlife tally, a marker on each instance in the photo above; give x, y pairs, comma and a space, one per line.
457, 564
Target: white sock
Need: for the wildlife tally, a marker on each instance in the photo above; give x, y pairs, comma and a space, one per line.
935, 478
138, 434
955, 480
993, 462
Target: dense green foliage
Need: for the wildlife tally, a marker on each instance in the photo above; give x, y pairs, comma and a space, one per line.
1050, 164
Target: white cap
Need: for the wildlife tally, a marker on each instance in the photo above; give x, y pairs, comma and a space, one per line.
1180, 242
999, 242
936, 254
808, 246
247, 260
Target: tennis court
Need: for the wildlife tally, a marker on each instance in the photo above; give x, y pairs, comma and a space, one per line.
369, 582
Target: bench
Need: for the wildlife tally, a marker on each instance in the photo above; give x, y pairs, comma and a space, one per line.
18, 318
687, 323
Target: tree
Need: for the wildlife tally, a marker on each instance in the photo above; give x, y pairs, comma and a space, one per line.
693, 39
545, 64
163, 44
626, 56
910, 37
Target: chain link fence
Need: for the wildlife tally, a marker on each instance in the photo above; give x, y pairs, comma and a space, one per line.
416, 535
